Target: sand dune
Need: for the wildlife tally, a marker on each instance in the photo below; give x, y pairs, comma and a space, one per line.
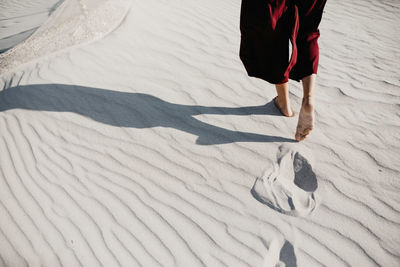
19, 19
150, 146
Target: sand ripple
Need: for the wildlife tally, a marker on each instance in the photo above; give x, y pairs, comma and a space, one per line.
142, 148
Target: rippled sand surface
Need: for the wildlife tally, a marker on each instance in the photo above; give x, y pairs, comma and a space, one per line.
148, 145
19, 19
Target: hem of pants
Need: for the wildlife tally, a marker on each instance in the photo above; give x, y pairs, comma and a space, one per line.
298, 78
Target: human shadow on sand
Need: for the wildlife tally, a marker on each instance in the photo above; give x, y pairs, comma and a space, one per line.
134, 110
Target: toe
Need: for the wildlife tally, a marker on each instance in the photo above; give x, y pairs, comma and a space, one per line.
301, 135
307, 131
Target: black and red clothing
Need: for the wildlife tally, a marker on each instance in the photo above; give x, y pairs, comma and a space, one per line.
268, 29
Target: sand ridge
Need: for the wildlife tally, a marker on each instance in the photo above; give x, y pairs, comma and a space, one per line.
142, 148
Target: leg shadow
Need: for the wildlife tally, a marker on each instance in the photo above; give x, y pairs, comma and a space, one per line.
133, 110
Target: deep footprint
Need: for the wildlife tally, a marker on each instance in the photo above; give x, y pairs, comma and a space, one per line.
289, 185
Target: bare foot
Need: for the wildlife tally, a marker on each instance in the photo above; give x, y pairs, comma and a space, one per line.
283, 107
306, 119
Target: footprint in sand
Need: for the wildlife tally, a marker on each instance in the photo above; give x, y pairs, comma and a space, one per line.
289, 185
280, 253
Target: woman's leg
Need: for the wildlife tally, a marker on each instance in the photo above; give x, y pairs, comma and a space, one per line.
283, 100
310, 14
306, 116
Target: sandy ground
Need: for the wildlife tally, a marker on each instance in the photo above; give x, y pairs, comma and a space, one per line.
19, 19
148, 145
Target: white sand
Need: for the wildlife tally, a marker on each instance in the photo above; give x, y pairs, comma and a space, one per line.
150, 146
19, 19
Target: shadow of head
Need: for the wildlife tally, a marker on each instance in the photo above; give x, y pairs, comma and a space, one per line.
135, 110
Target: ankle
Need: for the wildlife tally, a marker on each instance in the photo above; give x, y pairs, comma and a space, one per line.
283, 101
308, 100
308, 103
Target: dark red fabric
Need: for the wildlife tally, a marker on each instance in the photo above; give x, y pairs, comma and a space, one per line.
267, 27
